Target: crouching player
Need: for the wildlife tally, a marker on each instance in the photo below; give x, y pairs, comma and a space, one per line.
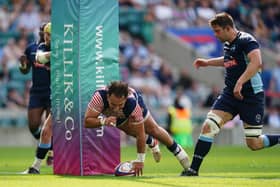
121, 106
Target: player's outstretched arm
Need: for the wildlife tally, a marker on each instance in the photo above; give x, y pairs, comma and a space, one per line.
201, 62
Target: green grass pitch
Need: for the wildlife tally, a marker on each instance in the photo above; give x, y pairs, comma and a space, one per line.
224, 166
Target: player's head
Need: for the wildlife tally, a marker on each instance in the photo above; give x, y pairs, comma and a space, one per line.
117, 95
222, 24
47, 33
41, 32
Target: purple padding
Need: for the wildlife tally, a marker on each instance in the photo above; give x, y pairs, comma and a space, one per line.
66, 152
101, 154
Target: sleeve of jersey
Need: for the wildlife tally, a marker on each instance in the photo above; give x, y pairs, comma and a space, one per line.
136, 116
96, 103
249, 45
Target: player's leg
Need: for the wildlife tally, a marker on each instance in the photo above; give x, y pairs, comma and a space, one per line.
153, 144
36, 107
214, 121
253, 123
34, 121
256, 140
43, 147
153, 129
262, 141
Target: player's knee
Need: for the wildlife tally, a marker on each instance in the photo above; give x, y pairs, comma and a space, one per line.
211, 126
254, 143
252, 134
33, 125
253, 146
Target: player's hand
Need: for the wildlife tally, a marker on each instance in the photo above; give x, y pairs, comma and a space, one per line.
138, 167
200, 62
111, 121
237, 91
23, 62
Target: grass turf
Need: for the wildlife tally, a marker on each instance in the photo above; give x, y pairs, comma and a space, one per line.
224, 166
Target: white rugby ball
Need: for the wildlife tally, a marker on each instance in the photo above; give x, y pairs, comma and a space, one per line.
124, 169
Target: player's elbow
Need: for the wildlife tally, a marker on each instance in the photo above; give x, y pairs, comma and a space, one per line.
259, 65
87, 124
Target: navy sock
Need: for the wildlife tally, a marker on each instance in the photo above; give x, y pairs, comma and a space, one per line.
149, 140
174, 148
42, 150
270, 140
201, 149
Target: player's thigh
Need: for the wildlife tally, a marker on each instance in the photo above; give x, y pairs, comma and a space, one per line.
151, 126
251, 110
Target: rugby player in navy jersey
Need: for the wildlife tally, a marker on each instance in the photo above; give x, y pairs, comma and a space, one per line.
39, 100
243, 94
43, 58
121, 106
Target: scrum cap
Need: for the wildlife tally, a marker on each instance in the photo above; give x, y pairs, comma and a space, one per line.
47, 28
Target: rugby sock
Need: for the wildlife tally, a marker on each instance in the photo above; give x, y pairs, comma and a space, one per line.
174, 148
42, 150
270, 140
202, 147
150, 140
37, 164
36, 133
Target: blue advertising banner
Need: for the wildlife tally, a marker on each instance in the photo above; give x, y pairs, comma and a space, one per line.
202, 39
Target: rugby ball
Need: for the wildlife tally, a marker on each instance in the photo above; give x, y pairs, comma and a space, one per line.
124, 169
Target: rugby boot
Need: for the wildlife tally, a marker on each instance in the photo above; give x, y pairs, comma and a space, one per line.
31, 170
189, 172
49, 160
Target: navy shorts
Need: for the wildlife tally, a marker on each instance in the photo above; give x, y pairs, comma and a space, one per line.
250, 109
39, 101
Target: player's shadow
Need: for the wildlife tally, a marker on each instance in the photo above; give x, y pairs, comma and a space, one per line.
142, 179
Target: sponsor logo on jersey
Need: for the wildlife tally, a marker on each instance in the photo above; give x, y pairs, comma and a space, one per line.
230, 63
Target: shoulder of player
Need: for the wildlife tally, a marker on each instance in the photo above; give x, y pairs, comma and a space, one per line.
31, 46
246, 37
131, 103
42, 46
101, 91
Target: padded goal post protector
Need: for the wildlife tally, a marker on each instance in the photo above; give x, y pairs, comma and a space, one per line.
84, 57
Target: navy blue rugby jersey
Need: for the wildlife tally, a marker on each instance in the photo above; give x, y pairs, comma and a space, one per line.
236, 61
40, 73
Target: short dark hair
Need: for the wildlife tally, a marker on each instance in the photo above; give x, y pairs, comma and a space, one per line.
118, 88
222, 19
